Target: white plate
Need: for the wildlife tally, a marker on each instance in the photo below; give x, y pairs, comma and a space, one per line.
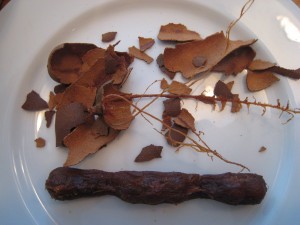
30, 29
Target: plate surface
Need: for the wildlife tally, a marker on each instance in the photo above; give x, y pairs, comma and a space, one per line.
28, 36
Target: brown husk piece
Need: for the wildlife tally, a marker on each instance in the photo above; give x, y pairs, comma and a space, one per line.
148, 153
185, 119
164, 84
116, 111
40, 142
67, 118
236, 61
257, 81
78, 93
145, 43
65, 61
175, 138
223, 90
177, 32
172, 107
214, 48
260, 65
178, 88
82, 142
48, 117
135, 52
160, 63
109, 36
34, 102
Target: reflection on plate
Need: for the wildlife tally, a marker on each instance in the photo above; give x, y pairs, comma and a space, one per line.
237, 137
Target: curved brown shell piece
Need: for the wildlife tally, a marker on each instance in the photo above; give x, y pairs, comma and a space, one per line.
259, 81
177, 32
65, 61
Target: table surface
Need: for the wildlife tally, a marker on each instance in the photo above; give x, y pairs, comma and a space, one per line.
9, 4
4, 2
